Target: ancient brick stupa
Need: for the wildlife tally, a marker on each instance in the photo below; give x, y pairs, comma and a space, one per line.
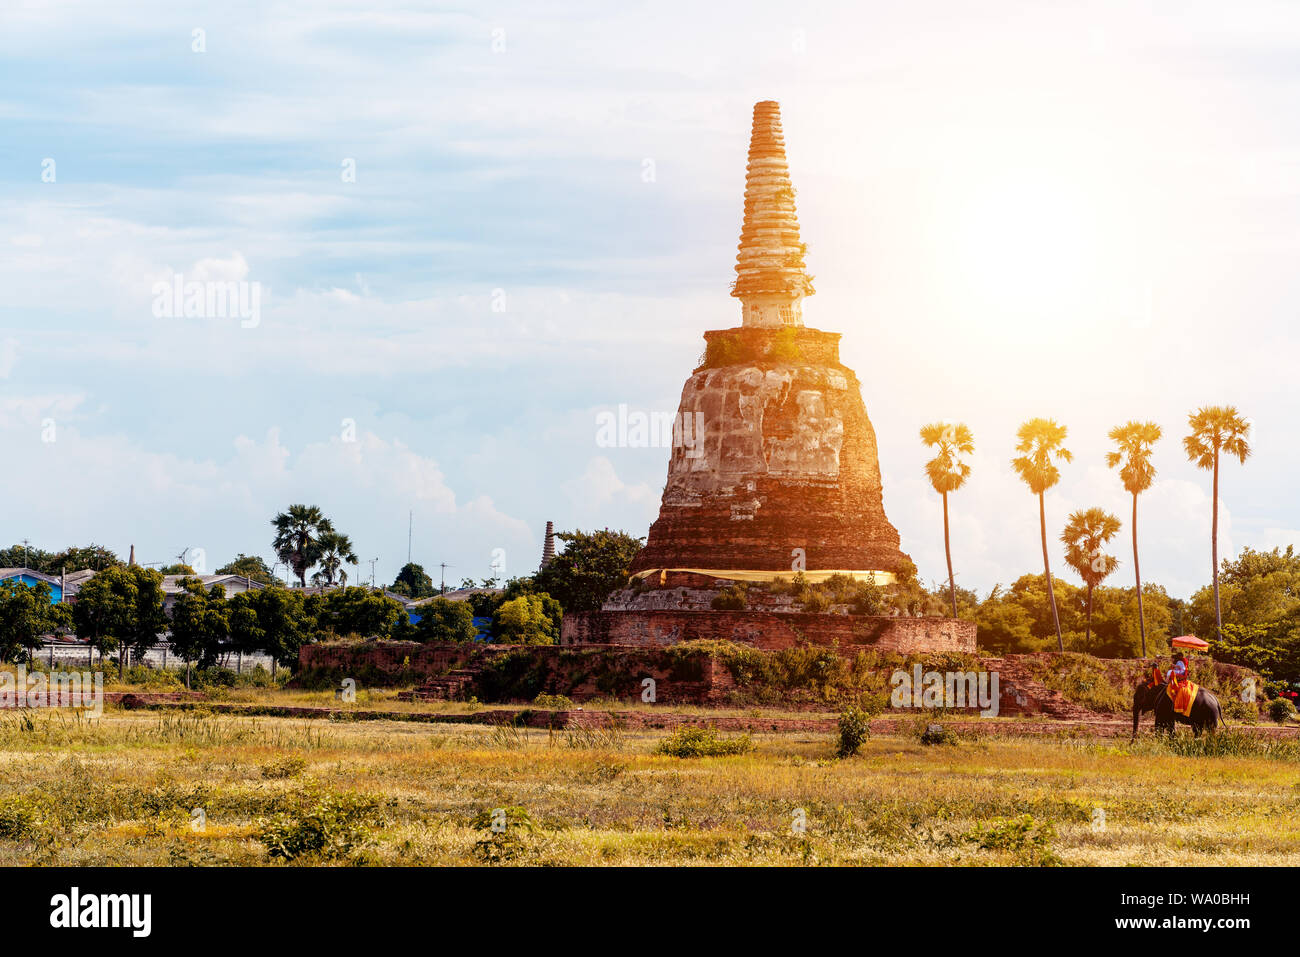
775, 469
787, 456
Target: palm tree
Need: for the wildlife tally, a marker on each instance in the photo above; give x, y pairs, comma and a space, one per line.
1039, 442
1133, 456
1085, 534
1215, 429
335, 549
948, 473
297, 538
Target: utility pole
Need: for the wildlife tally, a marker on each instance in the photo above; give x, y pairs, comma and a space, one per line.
444, 566
25, 544
372, 572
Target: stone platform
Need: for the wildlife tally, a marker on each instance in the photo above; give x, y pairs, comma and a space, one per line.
769, 631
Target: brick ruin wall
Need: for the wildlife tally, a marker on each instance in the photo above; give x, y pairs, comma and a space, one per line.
528, 670
768, 630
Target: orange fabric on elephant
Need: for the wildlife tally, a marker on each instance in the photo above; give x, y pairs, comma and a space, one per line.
1183, 695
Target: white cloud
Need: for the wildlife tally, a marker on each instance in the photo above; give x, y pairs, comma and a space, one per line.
599, 486
111, 490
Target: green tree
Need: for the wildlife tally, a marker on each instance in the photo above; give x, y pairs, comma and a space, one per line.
1086, 533
104, 612
1260, 596
335, 550
355, 611
1016, 620
272, 620
200, 624
445, 622
249, 566
26, 616
177, 570
1134, 441
590, 567
24, 556
297, 538
75, 558
1216, 429
1039, 442
1004, 626
947, 473
527, 620
149, 620
413, 582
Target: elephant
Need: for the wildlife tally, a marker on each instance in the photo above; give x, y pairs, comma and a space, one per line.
1207, 714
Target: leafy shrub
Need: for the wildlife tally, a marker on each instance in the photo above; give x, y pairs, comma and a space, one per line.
505, 833
329, 828
215, 678
938, 734
153, 679
703, 742
731, 598
285, 767
868, 598
1029, 840
259, 677
816, 601
855, 728
1281, 710
19, 817
557, 702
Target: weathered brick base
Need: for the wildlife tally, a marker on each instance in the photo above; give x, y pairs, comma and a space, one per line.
521, 672
768, 630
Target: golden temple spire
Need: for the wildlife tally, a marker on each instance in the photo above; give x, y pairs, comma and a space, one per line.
771, 279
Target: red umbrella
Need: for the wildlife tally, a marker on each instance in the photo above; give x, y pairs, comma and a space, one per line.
1190, 641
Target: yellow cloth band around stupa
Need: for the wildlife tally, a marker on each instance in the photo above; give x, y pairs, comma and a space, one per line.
748, 575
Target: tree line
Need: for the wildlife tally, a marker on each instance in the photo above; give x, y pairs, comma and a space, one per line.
1213, 432
122, 611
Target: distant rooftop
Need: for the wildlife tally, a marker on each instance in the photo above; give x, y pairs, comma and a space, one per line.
457, 594
30, 573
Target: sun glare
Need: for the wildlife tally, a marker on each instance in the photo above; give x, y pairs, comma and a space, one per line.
1026, 238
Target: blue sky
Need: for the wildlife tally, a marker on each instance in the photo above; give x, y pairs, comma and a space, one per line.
1091, 214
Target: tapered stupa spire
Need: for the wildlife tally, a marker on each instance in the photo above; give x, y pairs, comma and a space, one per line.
548, 545
771, 279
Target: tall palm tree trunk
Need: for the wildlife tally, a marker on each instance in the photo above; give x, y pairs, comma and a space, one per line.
947, 550
1047, 569
1087, 633
1137, 573
1214, 549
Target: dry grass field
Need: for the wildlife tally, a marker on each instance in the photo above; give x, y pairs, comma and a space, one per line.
176, 787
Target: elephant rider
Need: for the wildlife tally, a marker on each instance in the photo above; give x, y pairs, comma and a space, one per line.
1178, 673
